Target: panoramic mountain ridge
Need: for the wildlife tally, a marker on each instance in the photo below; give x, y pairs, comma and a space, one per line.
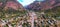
44, 5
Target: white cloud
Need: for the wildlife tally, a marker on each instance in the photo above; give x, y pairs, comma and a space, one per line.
25, 2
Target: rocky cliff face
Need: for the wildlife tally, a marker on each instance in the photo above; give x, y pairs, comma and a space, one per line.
6, 4
44, 5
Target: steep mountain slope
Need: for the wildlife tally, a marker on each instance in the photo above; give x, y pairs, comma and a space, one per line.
14, 4
11, 8
44, 5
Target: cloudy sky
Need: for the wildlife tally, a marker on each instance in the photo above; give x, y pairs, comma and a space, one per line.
26, 2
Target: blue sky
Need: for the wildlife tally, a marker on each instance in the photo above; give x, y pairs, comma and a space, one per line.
26, 2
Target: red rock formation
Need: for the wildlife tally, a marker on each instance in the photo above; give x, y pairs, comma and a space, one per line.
14, 4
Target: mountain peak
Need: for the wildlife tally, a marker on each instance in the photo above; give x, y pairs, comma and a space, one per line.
14, 4
44, 5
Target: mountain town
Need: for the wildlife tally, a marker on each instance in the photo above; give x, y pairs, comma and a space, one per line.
37, 14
